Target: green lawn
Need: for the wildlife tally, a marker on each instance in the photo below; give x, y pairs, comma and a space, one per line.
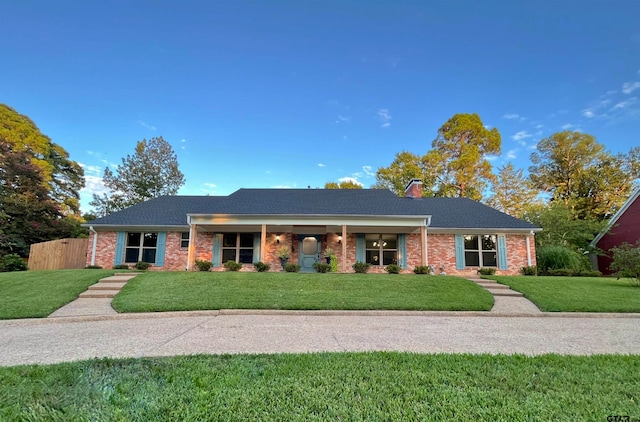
576, 294
328, 386
35, 294
180, 291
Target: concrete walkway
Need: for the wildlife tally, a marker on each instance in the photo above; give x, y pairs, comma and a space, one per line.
89, 328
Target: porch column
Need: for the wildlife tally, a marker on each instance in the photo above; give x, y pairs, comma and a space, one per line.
191, 252
423, 242
344, 249
527, 239
263, 241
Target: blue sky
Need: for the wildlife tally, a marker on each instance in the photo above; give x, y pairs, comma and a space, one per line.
299, 93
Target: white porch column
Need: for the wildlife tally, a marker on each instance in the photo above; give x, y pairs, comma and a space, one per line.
344, 249
528, 239
425, 245
191, 252
263, 241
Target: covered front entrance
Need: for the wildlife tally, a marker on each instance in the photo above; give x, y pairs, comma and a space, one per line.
309, 247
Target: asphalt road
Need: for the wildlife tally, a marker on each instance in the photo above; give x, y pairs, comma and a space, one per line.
46, 341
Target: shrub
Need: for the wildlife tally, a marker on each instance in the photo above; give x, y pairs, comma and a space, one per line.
121, 267
203, 265
562, 272
626, 262
589, 273
93, 267
487, 271
142, 266
422, 269
321, 267
361, 267
334, 264
232, 266
12, 262
393, 269
292, 268
530, 270
557, 258
261, 267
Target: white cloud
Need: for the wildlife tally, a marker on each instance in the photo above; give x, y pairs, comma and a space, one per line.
384, 116
342, 119
510, 116
93, 185
629, 87
146, 125
588, 113
624, 104
491, 157
322, 165
511, 154
284, 186
368, 170
349, 179
521, 136
567, 126
210, 188
94, 170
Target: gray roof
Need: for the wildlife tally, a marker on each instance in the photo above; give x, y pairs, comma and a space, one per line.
444, 212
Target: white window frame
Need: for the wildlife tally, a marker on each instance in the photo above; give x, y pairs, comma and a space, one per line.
184, 243
237, 248
141, 248
480, 251
380, 249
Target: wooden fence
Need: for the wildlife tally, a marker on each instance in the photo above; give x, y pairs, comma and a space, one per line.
58, 254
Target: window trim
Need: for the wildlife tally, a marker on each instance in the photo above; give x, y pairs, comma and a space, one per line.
479, 250
141, 248
237, 248
184, 245
381, 249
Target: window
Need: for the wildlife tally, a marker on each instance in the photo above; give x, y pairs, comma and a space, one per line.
381, 249
237, 247
141, 247
480, 251
184, 240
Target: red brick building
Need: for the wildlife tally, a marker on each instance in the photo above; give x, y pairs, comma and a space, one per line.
453, 235
623, 227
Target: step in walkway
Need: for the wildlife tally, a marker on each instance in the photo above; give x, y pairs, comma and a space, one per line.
96, 300
506, 301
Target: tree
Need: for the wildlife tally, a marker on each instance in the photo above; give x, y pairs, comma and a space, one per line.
458, 158
577, 170
405, 166
626, 262
456, 165
62, 177
343, 184
27, 213
151, 172
512, 192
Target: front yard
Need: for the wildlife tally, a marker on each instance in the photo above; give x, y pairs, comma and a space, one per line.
35, 294
576, 294
326, 386
185, 291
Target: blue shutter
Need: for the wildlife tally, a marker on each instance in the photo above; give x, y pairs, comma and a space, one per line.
360, 256
459, 252
402, 251
502, 252
162, 240
256, 247
119, 248
217, 249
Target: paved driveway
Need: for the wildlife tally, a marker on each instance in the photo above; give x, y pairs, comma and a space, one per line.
67, 339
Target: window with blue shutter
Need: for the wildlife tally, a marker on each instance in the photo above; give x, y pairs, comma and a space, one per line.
459, 239
502, 252
217, 249
360, 242
160, 247
256, 247
119, 248
402, 251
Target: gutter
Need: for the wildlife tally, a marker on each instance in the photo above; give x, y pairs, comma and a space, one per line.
93, 248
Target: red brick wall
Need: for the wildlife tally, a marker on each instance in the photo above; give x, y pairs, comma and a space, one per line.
441, 252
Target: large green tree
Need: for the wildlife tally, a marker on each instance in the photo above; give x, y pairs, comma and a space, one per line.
62, 177
343, 184
457, 164
575, 169
151, 172
27, 212
512, 192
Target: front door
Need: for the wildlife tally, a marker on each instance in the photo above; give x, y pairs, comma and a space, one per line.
309, 248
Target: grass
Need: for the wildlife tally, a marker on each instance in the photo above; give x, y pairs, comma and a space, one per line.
328, 386
576, 294
36, 294
153, 292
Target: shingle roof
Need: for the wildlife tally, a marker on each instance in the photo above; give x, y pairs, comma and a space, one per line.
445, 212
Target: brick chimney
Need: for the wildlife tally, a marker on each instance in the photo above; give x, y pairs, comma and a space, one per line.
413, 189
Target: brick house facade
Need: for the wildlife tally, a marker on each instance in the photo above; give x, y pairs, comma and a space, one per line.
453, 235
